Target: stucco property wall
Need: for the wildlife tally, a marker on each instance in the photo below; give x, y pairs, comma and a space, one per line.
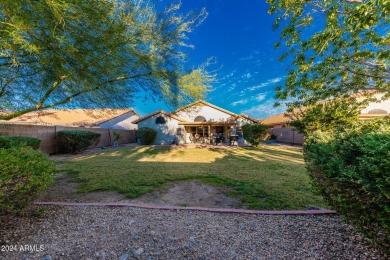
166, 133
123, 122
47, 134
287, 135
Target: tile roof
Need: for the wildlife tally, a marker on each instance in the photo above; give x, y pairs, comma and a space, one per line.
79, 117
4, 113
278, 119
156, 113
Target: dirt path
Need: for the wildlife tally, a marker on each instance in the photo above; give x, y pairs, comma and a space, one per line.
188, 193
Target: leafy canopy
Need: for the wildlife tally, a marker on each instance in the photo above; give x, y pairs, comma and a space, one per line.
336, 48
94, 53
325, 116
255, 133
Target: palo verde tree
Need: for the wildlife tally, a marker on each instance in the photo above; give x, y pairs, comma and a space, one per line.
337, 48
94, 53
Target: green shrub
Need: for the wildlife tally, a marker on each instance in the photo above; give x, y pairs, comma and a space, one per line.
74, 141
352, 169
23, 173
255, 133
146, 135
12, 141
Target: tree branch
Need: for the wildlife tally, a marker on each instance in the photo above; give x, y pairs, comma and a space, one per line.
69, 98
363, 74
2, 90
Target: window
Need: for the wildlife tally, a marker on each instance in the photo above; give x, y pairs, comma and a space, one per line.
178, 131
160, 120
200, 119
377, 111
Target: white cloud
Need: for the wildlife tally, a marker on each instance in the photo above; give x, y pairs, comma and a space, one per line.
247, 75
250, 56
260, 97
239, 102
247, 58
265, 110
265, 84
227, 76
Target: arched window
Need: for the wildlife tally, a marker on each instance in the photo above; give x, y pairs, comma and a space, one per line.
160, 120
200, 119
377, 111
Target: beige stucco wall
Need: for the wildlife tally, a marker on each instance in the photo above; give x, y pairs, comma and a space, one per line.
166, 133
211, 114
385, 105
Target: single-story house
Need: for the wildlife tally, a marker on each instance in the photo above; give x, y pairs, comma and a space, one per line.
196, 122
373, 109
279, 123
112, 118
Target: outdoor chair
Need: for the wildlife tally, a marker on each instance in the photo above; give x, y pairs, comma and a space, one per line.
233, 140
217, 138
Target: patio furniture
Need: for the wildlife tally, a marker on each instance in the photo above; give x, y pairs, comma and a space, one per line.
197, 138
217, 138
233, 139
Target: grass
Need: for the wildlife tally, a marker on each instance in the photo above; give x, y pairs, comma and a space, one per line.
263, 178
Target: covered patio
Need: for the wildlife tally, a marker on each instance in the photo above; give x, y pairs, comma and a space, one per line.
208, 132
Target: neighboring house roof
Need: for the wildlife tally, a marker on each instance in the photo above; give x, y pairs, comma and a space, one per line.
202, 102
278, 119
156, 113
79, 117
4, 113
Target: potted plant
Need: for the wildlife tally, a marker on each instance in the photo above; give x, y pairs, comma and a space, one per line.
117, 136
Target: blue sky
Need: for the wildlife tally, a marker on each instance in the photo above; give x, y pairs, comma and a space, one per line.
239, 35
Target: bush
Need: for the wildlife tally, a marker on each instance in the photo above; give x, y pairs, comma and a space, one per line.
255, 133
146, 135
352, 169
23, 173
13, 141
74, 141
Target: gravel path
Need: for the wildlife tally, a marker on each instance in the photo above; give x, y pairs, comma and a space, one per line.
133, 233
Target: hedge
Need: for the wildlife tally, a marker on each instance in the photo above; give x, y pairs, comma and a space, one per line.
24, 172
255, 133
12, 141
352, 169
74, 141
146, 135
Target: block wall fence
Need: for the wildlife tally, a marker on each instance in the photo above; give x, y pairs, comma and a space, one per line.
287, 135
47, 134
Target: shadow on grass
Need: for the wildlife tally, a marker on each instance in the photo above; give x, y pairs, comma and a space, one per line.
260, 178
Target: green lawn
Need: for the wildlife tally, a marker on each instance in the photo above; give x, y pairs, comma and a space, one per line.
263, 178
